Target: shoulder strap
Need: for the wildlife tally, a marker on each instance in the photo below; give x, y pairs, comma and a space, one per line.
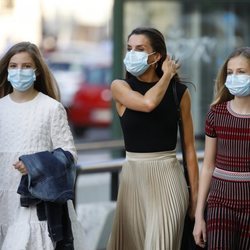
181, 131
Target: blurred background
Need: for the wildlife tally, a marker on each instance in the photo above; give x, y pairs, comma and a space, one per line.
84, 43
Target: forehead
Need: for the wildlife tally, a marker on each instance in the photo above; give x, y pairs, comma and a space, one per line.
139, 40
238, 62
22, 57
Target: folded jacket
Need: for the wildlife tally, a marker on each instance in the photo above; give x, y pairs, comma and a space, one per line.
48, 185
51, 176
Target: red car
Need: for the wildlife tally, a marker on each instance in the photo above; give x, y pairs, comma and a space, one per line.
91, 104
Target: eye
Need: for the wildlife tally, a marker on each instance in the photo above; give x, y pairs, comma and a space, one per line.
12, 66
242, 72
129, 48
27, 66
140, 49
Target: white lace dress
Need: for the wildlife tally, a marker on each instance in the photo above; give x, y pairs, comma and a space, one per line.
25, 128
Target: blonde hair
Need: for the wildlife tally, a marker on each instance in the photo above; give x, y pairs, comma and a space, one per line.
221, 93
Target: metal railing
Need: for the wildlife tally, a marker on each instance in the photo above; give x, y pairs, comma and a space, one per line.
110, 144
112, 166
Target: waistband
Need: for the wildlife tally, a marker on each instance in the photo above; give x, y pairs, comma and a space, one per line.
163, 155
231, 176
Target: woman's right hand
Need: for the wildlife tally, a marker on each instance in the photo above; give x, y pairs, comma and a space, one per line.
170, 66
199, 232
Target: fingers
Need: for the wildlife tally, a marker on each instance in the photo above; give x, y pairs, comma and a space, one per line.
200, 240
176, 64
170, 65
172, 60
202, 244
20, 167
199, 233
204, 240
174, 67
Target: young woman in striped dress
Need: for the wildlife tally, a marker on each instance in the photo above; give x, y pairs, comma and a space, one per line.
225, 176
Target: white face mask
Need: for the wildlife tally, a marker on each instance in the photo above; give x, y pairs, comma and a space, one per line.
238, 85
136, 62
21, 79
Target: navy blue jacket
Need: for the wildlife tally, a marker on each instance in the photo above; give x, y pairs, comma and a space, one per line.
51, 176
49, 184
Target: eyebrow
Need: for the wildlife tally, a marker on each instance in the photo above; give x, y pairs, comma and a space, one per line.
24, 63
138, 46
237, 68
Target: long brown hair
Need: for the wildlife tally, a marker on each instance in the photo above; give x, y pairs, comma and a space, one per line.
45, 81
221, 93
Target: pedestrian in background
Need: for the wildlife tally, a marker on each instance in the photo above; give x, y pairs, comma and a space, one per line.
32, 120
225, 176
153, 196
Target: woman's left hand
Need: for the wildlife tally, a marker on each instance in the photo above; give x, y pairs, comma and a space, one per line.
21, 167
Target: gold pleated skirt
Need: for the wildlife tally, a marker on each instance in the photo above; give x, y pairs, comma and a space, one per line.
152, 203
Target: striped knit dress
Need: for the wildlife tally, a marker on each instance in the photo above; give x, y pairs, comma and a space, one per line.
228, 213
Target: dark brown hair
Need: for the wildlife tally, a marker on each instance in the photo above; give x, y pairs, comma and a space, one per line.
157, 43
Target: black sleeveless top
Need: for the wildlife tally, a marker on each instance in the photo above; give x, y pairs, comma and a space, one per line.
154, 131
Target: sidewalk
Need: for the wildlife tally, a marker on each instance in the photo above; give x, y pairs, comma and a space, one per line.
94, 209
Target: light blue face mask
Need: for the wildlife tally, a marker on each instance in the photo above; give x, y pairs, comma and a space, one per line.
238, 85
21, 79
136, 62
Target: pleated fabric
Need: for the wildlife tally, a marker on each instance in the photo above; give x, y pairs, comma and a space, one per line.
151, 205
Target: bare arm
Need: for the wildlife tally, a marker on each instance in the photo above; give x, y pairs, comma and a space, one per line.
125, 97
205, 180
189, 144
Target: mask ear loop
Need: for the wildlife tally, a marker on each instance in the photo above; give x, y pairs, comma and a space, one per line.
156, 62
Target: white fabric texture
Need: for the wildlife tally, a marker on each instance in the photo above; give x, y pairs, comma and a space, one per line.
25, 128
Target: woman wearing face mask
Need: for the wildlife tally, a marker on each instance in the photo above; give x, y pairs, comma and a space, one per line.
153, 196
32, 120
225, 177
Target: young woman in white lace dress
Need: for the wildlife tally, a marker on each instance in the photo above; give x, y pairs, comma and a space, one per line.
31, 120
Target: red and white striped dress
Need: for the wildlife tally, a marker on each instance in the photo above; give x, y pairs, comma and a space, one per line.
228, 214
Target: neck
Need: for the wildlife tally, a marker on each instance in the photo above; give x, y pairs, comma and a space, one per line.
241, 105
25, 96
149, 76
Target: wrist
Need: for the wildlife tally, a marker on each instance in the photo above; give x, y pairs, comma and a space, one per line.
167, 75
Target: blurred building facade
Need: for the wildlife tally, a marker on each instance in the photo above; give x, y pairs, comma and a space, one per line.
200, 33
19, 20
56, 23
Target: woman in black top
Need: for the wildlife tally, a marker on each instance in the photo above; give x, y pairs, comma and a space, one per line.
153, 196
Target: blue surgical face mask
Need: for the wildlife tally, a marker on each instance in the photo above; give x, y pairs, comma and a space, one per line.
21, 79
136, 62
238, 85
